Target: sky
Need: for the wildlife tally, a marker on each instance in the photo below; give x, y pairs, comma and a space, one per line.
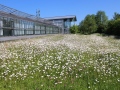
51, 8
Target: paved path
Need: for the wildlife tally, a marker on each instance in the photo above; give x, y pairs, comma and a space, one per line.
10, 38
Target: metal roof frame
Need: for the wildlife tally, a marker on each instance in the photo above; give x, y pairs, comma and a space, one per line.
7, 11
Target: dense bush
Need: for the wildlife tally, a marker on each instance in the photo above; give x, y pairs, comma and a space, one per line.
74, 29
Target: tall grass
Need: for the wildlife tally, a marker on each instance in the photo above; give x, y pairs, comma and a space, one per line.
60, 62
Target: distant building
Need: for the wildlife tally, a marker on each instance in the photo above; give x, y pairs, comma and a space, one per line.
63, 21
14, 22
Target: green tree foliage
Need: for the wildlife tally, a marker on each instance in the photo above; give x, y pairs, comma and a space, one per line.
88, 25
101, 21
74, 29
116, 16
82, 27
114, 27
117, 27
110, 29
101, 18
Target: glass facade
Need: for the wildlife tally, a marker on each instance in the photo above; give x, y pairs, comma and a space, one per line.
64, 24
59, 23
13, 26
67, 25
1, 25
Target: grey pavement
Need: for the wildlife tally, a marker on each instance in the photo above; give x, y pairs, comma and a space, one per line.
11, 38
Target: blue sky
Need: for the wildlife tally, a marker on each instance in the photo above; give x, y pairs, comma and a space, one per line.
50, 8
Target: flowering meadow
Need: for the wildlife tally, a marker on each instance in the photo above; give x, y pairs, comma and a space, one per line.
61, 62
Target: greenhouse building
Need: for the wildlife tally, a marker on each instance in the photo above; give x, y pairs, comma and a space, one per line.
14, 22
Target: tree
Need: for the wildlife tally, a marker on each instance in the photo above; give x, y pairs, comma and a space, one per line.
116, 27
101, 18
110, 29
88, 25
101, 21
116, 16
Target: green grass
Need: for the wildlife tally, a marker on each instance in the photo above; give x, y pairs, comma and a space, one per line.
59, 68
